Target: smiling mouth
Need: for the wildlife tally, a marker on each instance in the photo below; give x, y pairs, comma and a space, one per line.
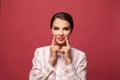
60, 38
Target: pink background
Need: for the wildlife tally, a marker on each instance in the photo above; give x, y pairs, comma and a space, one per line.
25, 26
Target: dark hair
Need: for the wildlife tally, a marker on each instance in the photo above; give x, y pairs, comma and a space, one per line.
64, 16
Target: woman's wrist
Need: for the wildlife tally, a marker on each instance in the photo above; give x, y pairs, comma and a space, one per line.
68, 61
52, 61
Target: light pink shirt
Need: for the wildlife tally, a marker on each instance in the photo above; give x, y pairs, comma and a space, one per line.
42, 69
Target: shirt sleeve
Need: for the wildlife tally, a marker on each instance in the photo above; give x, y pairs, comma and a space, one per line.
38, 72
70, 73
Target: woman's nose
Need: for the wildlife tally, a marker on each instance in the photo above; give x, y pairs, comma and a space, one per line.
61, 32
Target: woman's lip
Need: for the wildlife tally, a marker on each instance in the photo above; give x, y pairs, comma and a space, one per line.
60, 38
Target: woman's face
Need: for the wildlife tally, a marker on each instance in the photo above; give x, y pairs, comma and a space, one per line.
61, 29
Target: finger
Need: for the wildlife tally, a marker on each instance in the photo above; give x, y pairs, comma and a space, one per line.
67, 42
53, 40
58, 49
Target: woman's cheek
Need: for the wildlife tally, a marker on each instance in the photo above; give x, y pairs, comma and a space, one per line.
67, 33
54, 33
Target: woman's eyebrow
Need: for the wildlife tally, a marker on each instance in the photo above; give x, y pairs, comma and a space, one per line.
55, 26
67, 27
63, 27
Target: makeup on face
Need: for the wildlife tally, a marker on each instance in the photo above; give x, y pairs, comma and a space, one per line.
61, 33
61, 29
60, 38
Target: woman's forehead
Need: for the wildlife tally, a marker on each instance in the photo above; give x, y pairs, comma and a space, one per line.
61, 23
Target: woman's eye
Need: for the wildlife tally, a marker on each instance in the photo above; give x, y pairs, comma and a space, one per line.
66, 28
55, 28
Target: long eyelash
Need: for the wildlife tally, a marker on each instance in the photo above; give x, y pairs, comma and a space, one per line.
67, 28
55, 28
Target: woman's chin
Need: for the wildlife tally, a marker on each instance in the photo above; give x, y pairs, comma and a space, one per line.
61, 42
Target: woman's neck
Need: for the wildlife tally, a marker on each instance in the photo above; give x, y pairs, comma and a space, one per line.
60, 46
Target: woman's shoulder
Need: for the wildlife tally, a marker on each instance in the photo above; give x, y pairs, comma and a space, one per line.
77, 54
41, 50
77, 51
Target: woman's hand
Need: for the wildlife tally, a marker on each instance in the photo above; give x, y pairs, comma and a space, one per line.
53, 51
66, 50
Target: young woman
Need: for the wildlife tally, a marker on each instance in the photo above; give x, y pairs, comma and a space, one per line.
59, 61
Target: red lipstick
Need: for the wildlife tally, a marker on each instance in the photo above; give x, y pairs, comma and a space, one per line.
60, 38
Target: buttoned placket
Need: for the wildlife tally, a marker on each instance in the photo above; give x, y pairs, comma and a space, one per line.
60, 66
